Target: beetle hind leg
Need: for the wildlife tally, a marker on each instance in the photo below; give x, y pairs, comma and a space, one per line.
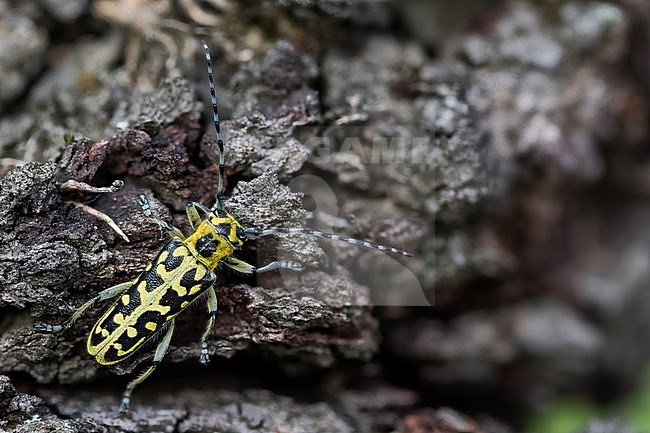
161, 350
111, 292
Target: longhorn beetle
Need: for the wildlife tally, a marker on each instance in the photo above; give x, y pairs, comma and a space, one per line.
181, 274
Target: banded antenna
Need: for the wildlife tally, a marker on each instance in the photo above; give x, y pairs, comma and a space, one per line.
219, 204
319, 234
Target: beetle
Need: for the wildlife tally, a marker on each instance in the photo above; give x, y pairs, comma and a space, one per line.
181, 274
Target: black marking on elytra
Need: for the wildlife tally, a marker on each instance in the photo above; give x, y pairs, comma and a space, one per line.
151, 277
206, 246
111, 355
128, 343
172, 262
96, 337
106, 323
172, 300
188, 280
153, 280
173, 244
150, 316
146, 317
134, 302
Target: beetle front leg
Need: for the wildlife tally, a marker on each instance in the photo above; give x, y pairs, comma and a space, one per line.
168, 228
193, 214
192, 210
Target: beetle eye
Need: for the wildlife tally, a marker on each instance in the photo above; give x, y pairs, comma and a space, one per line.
241, 234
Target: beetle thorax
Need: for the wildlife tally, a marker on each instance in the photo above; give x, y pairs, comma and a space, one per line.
209, 245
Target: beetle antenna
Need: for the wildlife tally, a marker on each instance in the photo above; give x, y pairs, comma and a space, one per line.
219, 204
319, 234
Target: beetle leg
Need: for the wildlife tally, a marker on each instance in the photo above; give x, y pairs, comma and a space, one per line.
212, 309
111, 292
281, 264
245, 268
157, 357
168, 228
238, 265
193, 215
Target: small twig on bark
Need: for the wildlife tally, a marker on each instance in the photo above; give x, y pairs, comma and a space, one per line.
74, 185
101, 216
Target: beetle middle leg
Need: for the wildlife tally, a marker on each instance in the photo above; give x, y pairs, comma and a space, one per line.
246, 268
212, 310
192, 210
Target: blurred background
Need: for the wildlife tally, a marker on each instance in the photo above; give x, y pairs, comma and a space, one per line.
520, 182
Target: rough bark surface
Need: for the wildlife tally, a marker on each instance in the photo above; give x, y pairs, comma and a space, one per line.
504, 144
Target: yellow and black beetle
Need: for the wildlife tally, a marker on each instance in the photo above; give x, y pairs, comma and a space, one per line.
181, 274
